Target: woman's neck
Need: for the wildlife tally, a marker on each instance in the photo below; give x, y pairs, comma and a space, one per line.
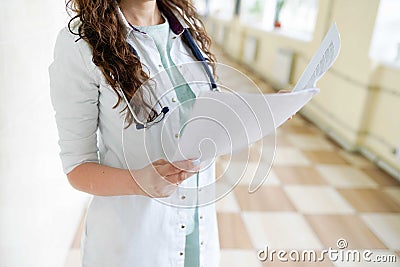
141, 12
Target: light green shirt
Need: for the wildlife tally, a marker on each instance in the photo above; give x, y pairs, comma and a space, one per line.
160, 34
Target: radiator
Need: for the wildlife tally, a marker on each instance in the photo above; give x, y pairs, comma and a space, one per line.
222, 34
250, 49
283, 63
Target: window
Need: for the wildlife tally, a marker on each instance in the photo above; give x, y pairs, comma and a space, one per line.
258, 13
385, 45
299, 16
295, 18
222, 9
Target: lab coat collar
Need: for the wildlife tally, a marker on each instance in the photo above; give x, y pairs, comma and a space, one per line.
176, 23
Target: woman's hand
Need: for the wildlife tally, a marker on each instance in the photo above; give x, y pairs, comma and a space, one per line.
285, 92
161, 178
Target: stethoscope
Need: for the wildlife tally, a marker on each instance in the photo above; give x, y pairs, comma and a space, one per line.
164, 109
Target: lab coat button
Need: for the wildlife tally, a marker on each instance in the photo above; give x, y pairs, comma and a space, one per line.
176, 135
202, 243
183, 226
201, 217
181, 253
183, 197
159, 65
173, 99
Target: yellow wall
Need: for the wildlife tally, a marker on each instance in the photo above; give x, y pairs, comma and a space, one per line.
359, 104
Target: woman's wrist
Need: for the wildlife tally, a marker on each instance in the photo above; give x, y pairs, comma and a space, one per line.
133, 187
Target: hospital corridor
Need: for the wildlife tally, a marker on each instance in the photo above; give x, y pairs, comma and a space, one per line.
332, 194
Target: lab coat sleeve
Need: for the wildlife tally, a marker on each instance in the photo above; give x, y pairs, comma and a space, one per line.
74, 94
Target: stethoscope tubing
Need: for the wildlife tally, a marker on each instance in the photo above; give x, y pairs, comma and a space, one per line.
199, 56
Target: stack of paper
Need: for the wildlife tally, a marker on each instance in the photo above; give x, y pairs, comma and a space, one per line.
225, 122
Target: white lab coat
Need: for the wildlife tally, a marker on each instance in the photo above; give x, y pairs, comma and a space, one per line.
124, 231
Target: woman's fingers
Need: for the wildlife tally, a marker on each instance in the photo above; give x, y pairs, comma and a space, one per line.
176, 172
160, 179
167, 168
179, 177
185, 165
160, 162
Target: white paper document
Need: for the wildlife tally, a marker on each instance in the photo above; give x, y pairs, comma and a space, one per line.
226, 122
322, 60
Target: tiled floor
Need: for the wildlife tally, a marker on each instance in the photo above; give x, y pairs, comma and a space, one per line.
315, 195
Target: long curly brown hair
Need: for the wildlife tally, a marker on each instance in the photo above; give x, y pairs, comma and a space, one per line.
101, 27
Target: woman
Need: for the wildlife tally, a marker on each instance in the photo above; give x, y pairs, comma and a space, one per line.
109, 50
